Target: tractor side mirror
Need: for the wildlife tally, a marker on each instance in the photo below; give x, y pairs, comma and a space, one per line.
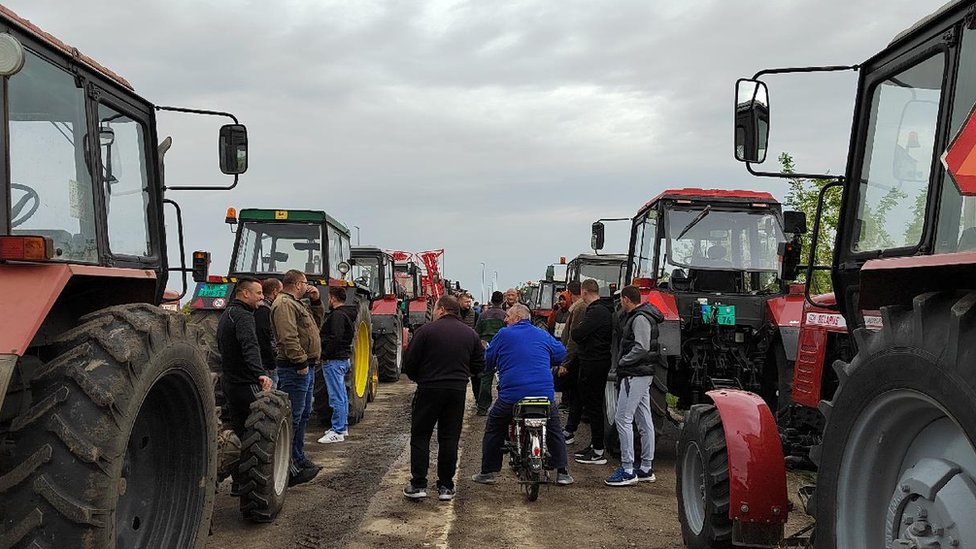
751, 120
790, 254
201, 266
597, 236
106, 136
232, 149
794, 222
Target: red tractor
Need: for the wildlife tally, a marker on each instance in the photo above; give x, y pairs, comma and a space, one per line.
269, 243
897, 461
373, 268
108, 425
717, 263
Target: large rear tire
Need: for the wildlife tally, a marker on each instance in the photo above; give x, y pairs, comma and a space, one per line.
374, 379
118, 448
206, 322
900, 432
703, 480
265, 457
389, 352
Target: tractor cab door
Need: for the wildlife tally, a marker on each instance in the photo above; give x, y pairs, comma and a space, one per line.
644, 244
898, 199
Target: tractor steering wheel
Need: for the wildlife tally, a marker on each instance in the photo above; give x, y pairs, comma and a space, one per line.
31, 197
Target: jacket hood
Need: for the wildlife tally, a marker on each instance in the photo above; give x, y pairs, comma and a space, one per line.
649, 310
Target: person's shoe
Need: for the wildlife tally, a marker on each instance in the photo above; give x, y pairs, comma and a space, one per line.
305, 474
330, 437
484, 478
584, 452
413, 492
564, 479
445, 494
569, 436
309, 464
620, 477
593, 458
645, 476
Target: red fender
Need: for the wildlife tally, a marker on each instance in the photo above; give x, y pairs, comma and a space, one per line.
663, 301
384, 306
758, 504
787, 310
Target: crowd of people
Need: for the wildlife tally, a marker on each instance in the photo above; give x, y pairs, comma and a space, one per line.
278, 333
275, 334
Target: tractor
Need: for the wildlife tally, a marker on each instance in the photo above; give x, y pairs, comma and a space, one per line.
609, 271
422, 288
373, 268
269, 243
108, 423
717, 263
897, 460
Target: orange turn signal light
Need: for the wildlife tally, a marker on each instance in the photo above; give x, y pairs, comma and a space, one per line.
26, 248
562, 260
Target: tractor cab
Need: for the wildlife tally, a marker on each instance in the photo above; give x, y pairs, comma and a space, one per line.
372, 268
609, 271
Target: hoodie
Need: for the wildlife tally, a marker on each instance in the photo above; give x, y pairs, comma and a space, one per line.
638, 349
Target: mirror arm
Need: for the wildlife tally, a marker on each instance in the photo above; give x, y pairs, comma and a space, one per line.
788, 70
207, 113
784, 175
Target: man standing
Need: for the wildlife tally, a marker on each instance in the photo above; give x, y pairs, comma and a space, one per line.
262, 319
468, 315
523, 355
593, 336
441, 358
570, 368
337, 334
242, 372
492, 320
296, 329
638, 354
511, 298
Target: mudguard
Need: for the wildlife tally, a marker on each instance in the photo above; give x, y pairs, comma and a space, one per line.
663, 301
786, 313
812, 351
385, 306
384, 323
758, 503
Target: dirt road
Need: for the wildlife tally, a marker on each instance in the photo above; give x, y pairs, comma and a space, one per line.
356, 501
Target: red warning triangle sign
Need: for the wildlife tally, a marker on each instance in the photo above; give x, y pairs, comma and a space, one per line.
960, 158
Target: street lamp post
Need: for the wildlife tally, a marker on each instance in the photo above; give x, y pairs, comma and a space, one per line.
357, 234
482, 282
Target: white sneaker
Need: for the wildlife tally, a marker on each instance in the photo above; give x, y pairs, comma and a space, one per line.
330, 436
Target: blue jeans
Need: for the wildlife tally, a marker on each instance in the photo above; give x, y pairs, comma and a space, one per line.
299, 390
334, 372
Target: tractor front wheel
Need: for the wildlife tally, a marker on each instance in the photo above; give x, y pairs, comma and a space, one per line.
389, 352
265, 457
703, 480
119, 446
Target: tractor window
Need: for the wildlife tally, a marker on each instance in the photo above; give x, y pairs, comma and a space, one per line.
366, 272
405, 282
898, 157
275, 248
50, 182
608, 276
957, 214
645, 245
338, 249
125, 182
707, 238
547, 292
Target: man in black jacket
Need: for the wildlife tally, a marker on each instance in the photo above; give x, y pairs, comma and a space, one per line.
637, 359
593, 335
441, 358
242, 372
262, 319
337, 333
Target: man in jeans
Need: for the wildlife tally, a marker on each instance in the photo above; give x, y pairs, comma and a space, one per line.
337, 333
593, 336
638, 354
296, 330
441, 358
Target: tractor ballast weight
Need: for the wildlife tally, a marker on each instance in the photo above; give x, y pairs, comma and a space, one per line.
96, 380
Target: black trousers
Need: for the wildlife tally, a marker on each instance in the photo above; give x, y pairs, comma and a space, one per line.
239, 398
592, 384
445, 409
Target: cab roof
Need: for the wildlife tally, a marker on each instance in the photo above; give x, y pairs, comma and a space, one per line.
292, 216
27, 27
720, 195
605, 258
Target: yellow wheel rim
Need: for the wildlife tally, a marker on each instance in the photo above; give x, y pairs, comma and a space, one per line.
360, 366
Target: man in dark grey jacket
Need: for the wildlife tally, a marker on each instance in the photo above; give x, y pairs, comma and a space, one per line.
638, 356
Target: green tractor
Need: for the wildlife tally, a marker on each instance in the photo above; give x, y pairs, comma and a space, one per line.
270, 243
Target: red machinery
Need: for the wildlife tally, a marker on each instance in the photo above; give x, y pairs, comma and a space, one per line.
421, 289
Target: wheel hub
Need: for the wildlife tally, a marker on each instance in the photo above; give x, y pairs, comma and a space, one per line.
931, 508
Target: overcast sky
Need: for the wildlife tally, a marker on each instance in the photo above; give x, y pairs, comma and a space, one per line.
497, 130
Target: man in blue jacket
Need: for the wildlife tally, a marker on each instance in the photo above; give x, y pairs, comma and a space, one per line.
524, 356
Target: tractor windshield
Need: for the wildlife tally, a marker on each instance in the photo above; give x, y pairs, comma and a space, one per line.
609, 276
406, 283
726, 240
274, 248
547, 293
50, 190
367, 272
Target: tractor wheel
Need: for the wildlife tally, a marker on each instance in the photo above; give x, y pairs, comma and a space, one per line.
357, 380
703, 480
898, 462
265, 457
206, 322
374, 378
389, 352
119, 446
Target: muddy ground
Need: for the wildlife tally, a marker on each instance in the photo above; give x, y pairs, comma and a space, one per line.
356, 501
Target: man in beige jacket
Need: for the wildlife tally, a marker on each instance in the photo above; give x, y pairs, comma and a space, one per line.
296, 330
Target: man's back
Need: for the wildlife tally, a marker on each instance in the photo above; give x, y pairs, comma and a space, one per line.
444, 353
523, 355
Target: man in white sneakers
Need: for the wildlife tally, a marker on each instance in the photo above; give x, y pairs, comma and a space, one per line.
337, 333
639, 355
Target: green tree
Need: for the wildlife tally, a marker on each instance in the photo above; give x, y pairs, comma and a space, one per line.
803, 196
